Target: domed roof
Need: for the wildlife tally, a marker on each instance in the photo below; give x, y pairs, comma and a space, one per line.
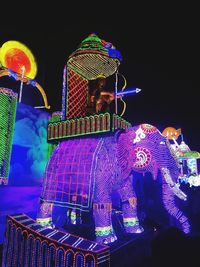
95, 57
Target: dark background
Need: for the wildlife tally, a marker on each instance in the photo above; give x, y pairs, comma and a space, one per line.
160, 50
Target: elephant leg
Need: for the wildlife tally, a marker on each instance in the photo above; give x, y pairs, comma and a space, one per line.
103, 222
170, 206
102, 203
129, 208
44, 215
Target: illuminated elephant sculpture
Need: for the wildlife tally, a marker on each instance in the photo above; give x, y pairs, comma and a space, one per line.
83, 172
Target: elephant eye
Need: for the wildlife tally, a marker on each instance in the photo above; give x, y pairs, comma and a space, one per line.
162, 143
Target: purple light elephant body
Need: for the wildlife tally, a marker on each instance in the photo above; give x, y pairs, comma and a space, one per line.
82, 174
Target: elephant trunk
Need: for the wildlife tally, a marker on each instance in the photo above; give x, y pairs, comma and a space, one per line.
170, 189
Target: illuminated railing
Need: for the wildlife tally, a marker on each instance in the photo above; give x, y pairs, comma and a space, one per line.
27, 243
98, 123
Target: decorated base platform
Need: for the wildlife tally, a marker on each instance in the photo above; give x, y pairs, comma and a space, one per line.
29, 244
129, 250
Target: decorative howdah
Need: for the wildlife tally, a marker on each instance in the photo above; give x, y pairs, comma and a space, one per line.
93, 58
99, 123
29, 244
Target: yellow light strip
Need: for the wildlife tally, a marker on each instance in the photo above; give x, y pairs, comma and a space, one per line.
5, 72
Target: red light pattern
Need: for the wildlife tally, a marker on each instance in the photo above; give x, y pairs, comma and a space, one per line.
77, 95
15, 58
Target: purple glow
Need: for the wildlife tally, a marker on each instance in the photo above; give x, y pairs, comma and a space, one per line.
69, 173
84, 171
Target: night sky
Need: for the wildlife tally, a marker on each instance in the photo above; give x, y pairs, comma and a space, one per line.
160, 53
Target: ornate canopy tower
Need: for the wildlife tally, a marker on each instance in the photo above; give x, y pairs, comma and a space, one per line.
93, 57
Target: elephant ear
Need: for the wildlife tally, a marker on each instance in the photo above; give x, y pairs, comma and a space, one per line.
125, 151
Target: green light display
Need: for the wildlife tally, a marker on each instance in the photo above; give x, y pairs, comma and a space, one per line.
99, 123
8, 100
56, 117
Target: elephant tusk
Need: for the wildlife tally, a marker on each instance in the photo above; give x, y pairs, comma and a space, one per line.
179, 193
173, 186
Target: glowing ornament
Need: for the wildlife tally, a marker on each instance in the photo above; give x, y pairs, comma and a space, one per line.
171, 133
18, 57
194, 180
17, 61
